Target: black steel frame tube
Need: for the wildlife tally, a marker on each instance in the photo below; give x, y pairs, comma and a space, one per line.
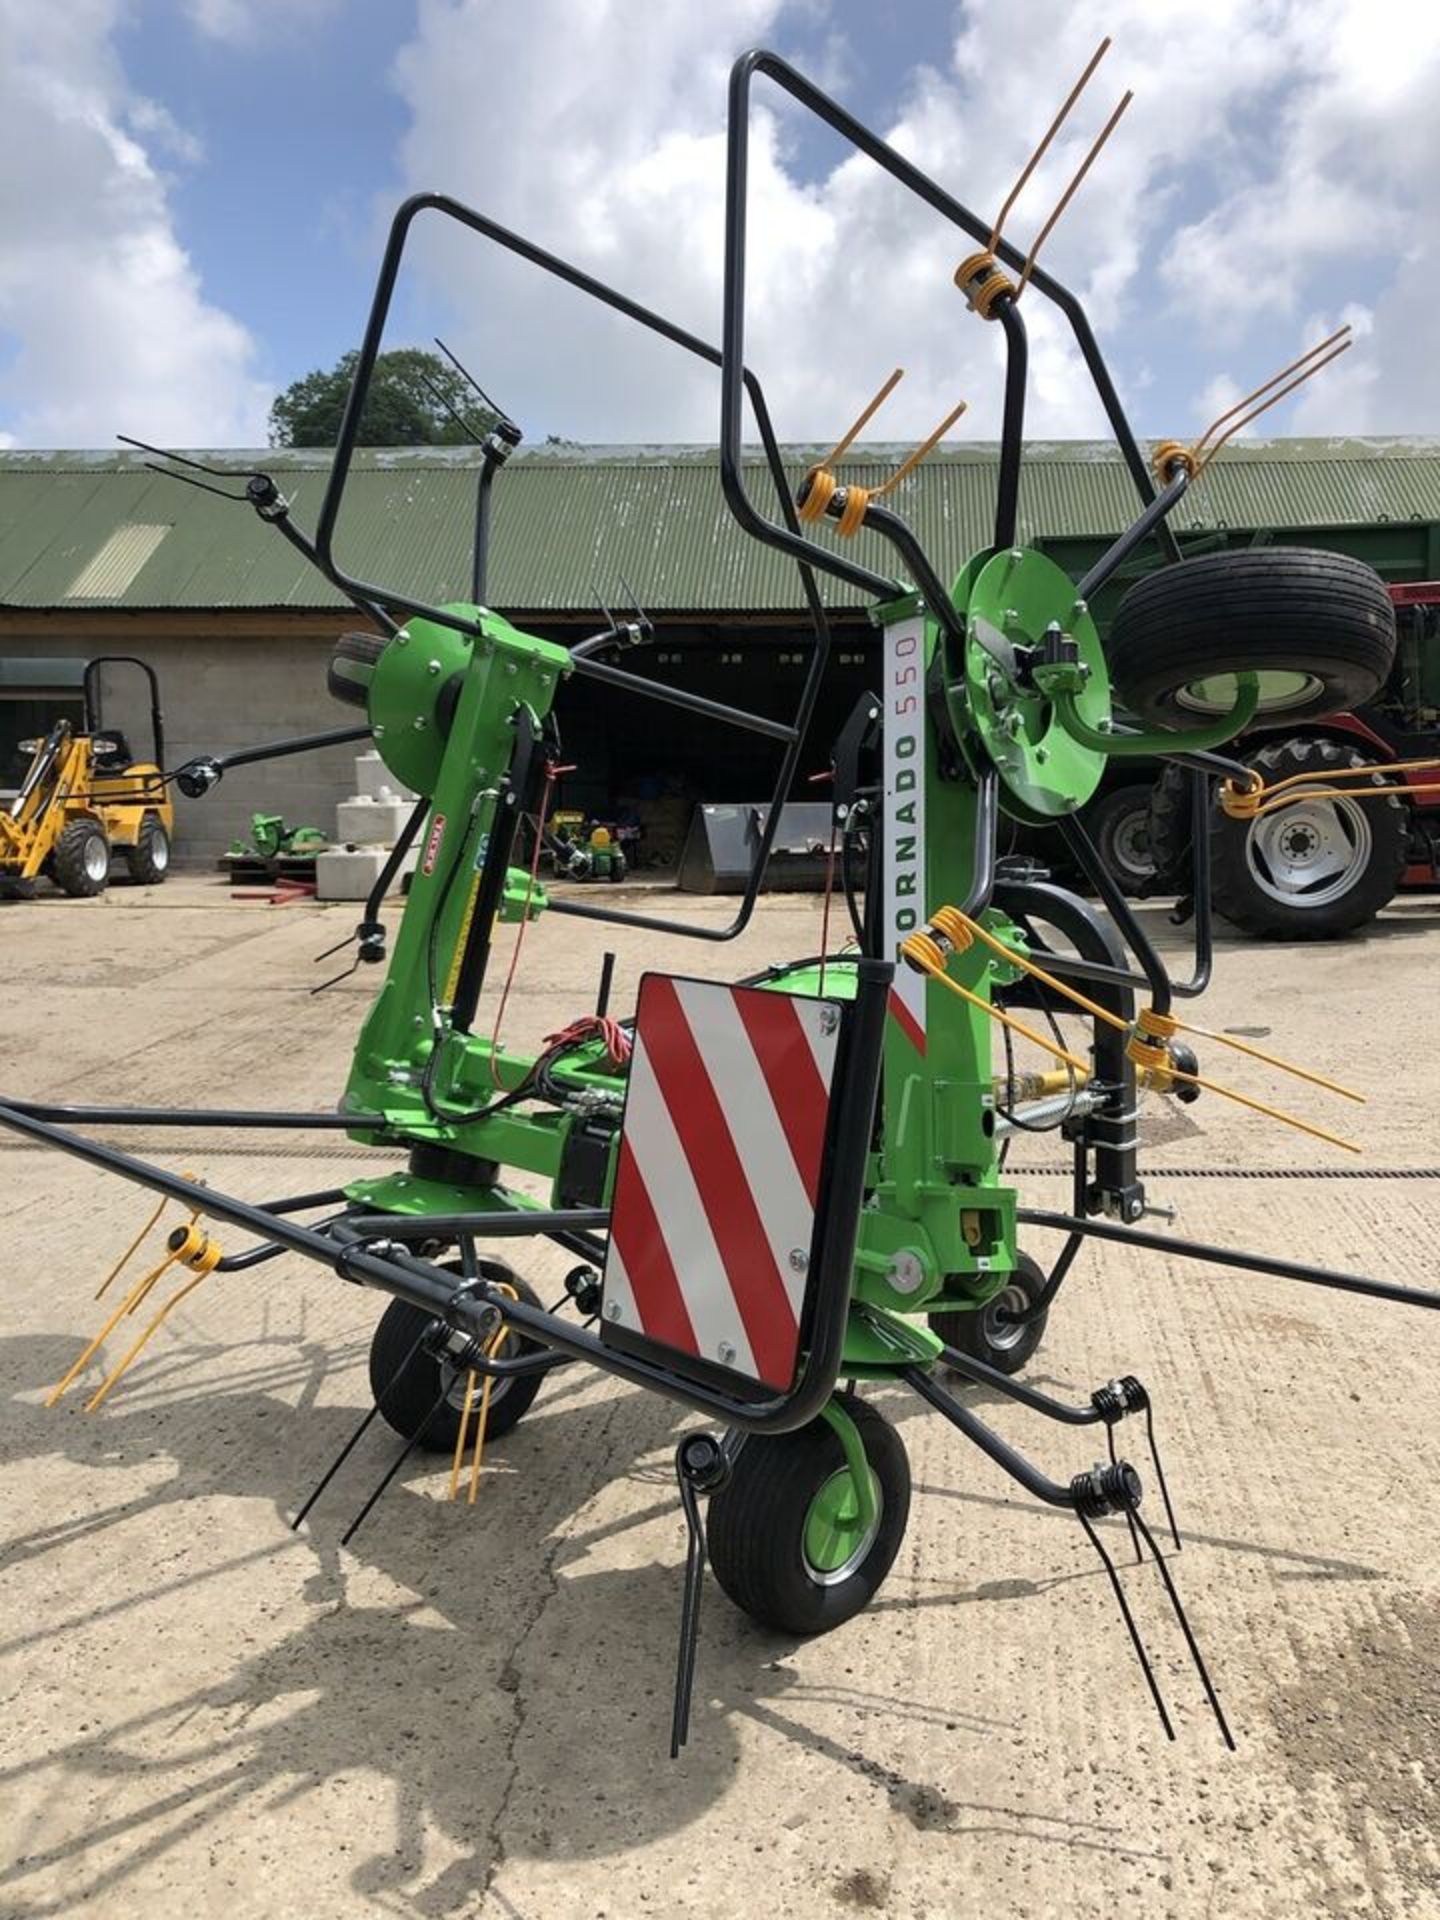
1228, 1257
793, 734
989, 1442
282, 749
1012, 424
48, 1111
1134, 535
1118, 907
981, 1375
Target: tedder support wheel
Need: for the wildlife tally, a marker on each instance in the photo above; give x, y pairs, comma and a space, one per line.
1310, 871
80, 864
407, 1405
351, 665
784, 1532
149, 858
985, 1334
1119, 824
1318, 629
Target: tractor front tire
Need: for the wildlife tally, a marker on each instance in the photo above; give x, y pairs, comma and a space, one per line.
982, 1333
1119, 824
783, 1532
80, 864
407, 1380
149, 858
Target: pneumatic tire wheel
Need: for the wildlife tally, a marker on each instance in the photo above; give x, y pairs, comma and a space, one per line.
1119, 824
983, 1333
352, 665
407, 1404
784, 1535
1316, 868
80, 864
1318, 628
149, 858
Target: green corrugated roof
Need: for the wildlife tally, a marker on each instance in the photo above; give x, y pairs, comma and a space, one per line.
80, 530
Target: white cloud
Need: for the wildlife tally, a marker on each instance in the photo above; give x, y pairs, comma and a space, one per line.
1277, 160
241, 23
100, 305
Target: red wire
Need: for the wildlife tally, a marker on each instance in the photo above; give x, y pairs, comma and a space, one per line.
825, 917
544, 814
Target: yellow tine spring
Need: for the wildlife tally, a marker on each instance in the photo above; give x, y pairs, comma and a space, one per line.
925, 447
460, 1437
1085, 165
1113, 1020
1039, 154
141, 1340
996, 1013
1273, 1060
1273, 1113
1265, 405
492, 1347
1239, 406
99, 1292
127, 1305
865, 416
1029, 966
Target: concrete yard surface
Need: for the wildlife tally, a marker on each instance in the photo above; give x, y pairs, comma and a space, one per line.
466, 1712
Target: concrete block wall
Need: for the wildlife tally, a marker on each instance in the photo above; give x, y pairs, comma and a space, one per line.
225, 682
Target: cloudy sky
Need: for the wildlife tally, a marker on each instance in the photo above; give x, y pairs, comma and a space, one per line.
193, 194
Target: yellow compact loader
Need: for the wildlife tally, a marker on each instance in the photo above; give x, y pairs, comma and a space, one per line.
84, 797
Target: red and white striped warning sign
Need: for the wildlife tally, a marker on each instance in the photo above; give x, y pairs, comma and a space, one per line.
719, 1172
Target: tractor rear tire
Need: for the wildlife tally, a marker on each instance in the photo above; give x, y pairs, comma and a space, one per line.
80, 864
1315, 869
1319, 625
780, 1541
981, 1333
149, 858
352, 665
406, 1382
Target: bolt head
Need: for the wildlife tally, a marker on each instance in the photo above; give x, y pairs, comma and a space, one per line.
799, 1260
419, 723
432, 666
612, 1309
725, 1353
829, 1019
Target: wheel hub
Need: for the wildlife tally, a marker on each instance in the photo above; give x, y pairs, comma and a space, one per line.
834, 1542
1309, 853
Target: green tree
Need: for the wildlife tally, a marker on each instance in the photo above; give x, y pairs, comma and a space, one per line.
401, 410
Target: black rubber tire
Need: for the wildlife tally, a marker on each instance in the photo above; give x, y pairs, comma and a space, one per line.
980, 1333
407, 1405
1171, 840
149, 858
68, 862
1237, 892
755, 1528
1111, 821
1281, 609
352, 665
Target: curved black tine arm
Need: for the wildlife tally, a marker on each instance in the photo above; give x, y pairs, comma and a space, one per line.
910, 176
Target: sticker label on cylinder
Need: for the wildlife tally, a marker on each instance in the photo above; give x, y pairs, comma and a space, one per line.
433, 844
904, 697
